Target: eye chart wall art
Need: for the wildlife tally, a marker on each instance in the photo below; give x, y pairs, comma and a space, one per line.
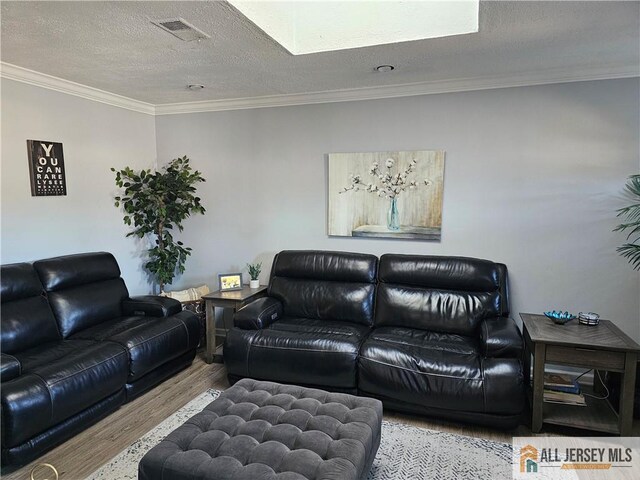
386, 194
46, 168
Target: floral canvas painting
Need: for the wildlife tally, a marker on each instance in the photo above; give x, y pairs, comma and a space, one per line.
386, 194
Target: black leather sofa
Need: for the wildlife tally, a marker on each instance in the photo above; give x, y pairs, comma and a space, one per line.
323, 304
424, 334
75, 347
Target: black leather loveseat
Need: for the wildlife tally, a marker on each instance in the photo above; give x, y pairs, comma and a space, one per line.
425, 334
75, 347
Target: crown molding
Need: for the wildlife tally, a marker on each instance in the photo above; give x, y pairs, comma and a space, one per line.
406, 90
544, 77
24, 75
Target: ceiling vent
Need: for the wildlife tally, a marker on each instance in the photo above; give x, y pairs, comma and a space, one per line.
181, 29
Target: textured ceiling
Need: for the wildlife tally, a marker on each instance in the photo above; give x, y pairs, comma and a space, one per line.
113, 46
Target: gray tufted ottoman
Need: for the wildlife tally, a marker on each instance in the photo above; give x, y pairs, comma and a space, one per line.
264, 430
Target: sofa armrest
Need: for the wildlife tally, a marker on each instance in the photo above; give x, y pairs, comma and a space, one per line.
258, 314
10, 367
500, 338
151, 306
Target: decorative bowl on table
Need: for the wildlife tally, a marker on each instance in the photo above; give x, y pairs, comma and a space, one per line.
589, 318
559, 316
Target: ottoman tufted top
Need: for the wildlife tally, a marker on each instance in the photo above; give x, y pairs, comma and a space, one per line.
264, 430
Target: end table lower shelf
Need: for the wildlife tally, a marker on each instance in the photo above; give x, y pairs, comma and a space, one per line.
597, 415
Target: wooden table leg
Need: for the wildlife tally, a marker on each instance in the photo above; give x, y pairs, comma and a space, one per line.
210, 331
527, 366
627, 391
538, 387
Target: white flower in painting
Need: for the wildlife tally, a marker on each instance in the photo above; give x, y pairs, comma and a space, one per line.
388, 183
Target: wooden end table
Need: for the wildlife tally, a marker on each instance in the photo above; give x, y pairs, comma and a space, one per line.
602, 347
230, 302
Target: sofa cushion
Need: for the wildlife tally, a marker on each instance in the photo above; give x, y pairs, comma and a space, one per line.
50, 392
297, 350
327, 266
72, 270
439, 370
325, 285
307, 325
322, 300
49, 352
83, 290
81, 307
445, 294
18, 280
149, 341
27, 319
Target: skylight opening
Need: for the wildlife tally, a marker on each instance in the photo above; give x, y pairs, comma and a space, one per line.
304, 27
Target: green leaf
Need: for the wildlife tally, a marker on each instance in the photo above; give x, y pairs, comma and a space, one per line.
631, 213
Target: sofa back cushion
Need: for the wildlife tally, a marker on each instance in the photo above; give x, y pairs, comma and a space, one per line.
83, 290
26, 320
441, 294
325, 285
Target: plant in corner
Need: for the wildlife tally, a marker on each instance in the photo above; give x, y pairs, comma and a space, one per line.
254, 273
631, 214
156, 203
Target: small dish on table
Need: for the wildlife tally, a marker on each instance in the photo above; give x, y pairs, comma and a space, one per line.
590, 318
559, 317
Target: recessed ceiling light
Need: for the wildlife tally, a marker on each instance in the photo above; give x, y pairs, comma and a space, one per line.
384, 68
195, 86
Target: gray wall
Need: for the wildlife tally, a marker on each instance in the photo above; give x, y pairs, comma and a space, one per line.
95, 137
533, 177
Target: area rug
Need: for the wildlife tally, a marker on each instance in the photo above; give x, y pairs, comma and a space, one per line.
405, 453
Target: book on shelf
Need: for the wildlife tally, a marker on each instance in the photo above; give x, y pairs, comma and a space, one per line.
551, 396
559, 382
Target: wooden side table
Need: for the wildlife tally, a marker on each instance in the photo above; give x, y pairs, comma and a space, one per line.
230, 302
602, 347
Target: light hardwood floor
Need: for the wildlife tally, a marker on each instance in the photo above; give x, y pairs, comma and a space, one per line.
84, 453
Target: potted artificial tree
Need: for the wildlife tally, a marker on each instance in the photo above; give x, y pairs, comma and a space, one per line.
155, 204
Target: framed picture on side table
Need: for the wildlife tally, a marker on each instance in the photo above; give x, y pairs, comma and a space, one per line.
229, 281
